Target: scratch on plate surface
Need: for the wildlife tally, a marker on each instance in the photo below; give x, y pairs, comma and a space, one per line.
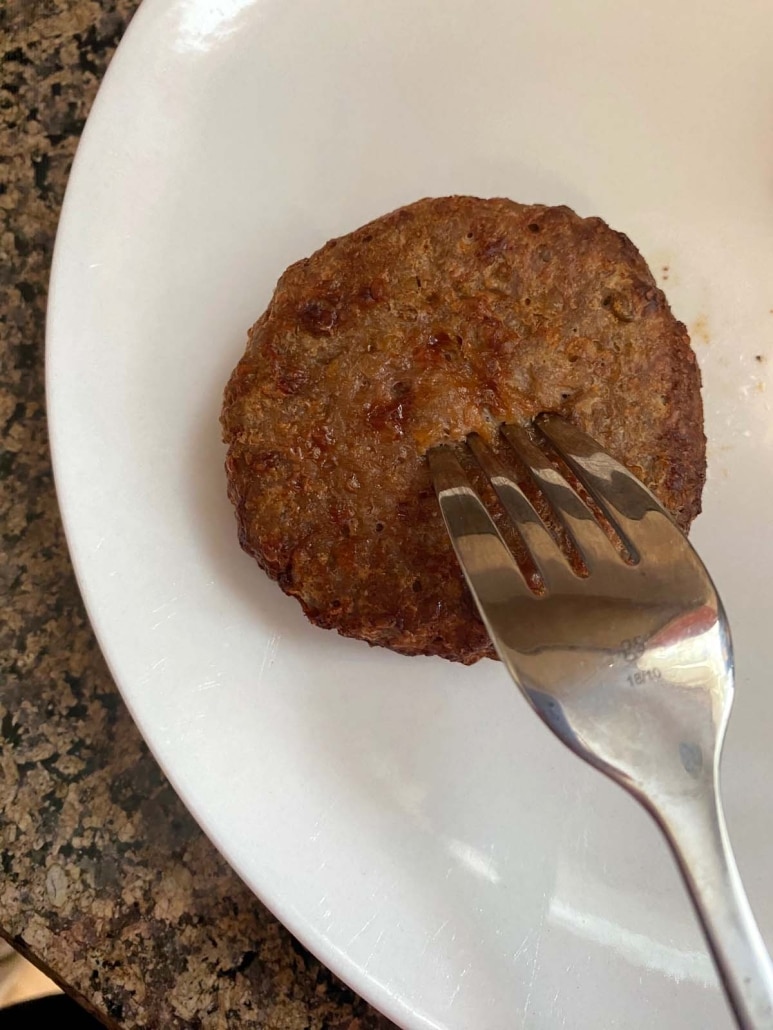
458, 987
165, 618
269, 655
522, 947
363, 928
432, 937
207, 684
535, 961
374, 949
557, 1016
148, 675
321, 819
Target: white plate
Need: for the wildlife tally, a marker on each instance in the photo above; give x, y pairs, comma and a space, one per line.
409, 820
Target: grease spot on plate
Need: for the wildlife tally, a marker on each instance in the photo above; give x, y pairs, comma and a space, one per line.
699, 330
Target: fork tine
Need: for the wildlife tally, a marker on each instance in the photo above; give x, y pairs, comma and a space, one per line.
550, 560
627, 502
491, 572
591, 540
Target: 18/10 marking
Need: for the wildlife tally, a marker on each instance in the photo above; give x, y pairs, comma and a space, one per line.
636, 679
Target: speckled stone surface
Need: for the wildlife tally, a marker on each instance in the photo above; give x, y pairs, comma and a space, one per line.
106, 882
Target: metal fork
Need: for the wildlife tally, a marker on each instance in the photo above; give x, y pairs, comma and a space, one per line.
630, 664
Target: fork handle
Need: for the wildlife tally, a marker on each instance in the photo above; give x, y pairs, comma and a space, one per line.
695, 828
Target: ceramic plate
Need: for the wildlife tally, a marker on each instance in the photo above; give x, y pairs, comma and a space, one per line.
410, 821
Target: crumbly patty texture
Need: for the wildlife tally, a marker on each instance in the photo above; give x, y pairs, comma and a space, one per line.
443, 318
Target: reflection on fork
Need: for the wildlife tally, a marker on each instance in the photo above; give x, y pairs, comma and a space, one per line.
619, 641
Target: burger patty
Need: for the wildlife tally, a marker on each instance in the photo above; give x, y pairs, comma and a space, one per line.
447, 317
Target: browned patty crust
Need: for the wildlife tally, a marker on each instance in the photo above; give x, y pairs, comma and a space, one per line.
446, 317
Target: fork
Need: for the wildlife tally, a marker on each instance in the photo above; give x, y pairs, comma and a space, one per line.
626, 656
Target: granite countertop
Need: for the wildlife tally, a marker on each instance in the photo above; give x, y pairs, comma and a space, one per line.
107, 883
